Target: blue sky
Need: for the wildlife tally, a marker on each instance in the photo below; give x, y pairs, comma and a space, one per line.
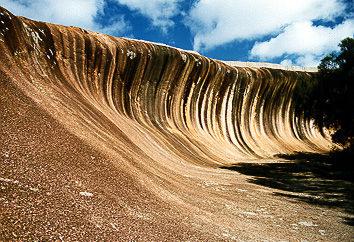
291, 32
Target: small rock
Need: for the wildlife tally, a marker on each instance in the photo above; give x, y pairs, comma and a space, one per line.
86, 194
249, 213
33, 189
307, 224
241, 190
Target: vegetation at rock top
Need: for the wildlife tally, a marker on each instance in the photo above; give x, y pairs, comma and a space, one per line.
329, 100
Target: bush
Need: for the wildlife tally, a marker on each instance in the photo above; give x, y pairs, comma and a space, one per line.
330, 98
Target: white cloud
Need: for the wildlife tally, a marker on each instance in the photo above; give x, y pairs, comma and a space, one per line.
117, 26
287, 62
308, 60
303, 38
308, 42
79, 13
159, 12
217, 22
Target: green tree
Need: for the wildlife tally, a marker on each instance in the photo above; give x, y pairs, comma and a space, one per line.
331, 100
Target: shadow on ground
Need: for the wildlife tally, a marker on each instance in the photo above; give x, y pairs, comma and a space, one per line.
321, 179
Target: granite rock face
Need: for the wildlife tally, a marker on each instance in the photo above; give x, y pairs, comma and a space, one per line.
127, 136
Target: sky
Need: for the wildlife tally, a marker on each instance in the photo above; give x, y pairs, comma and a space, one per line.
289, 32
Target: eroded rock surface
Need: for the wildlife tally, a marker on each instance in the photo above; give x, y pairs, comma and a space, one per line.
116, 139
